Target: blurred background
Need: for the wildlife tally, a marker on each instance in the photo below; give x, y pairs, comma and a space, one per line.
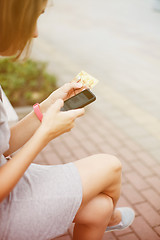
117, 42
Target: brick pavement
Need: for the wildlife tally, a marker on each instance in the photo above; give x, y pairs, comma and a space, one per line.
140, 178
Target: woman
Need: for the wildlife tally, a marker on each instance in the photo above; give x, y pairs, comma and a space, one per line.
40, 202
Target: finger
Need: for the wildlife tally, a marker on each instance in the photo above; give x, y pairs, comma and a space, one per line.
72, 125
79, 90
73, 85
76, 113
58, 105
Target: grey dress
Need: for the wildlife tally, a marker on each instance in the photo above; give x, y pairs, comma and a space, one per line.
44, 202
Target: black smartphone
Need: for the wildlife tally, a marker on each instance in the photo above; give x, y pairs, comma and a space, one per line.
80, 100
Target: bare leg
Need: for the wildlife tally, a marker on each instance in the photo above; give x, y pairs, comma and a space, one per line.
92, 218
101, 176
100, 173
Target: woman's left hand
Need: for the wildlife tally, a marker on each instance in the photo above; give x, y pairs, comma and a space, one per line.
66, 91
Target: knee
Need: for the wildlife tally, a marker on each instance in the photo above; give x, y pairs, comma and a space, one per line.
102, 211
115, 163
112, 162
109, 165
97, 212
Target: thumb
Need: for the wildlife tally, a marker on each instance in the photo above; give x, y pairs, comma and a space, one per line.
75, 113
58, 105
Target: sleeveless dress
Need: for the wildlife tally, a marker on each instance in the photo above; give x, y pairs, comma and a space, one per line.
44, 202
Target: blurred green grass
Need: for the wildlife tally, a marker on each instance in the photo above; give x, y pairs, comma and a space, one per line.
26, 83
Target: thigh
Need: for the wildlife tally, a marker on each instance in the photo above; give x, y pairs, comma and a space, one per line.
99, 173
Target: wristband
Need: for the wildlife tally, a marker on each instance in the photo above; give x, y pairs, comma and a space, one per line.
37, 111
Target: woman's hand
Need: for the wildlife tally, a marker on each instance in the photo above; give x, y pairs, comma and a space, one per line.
66, 91
56, 122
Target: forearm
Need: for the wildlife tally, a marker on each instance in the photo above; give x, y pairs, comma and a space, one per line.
13, 170
23, 131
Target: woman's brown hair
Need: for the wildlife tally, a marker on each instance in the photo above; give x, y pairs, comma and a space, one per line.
18, 19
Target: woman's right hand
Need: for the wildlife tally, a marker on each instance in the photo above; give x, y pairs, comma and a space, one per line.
56, 122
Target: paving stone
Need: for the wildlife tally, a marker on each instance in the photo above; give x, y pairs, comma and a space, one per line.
124, 121
78, 134
105, 148
69, 159
156, 169
48, 148
79, 153
51, 158
127, 154
40, 159
143, 230
103, 131
123, 179
106, 135
118, 121
142, 169
70, 141
125, 166
114, 113
149, 214
85, 126
130, 236
109, 236
124, 232
155, 183
157, 229
115, 143
62, 150
91, 121
146, 158
109, 125
150, 142
133, 146
131, 194
98, 117
152, 197
58, 139
95, 137
119, 134
64, 237
123, 202
136, 180
90, 147
135, 132
156, 154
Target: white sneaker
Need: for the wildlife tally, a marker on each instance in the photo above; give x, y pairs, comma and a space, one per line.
127, 217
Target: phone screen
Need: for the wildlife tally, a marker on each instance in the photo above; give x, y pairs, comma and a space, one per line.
80, 100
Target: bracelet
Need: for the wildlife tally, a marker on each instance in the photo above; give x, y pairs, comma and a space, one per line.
37, 111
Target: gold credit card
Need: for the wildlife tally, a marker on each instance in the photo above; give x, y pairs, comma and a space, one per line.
86, 79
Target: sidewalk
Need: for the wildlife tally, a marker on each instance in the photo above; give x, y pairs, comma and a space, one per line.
125, 119
141, 172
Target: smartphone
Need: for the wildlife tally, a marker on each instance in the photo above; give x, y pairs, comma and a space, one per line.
80, 100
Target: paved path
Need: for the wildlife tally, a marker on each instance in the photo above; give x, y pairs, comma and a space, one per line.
117, 42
